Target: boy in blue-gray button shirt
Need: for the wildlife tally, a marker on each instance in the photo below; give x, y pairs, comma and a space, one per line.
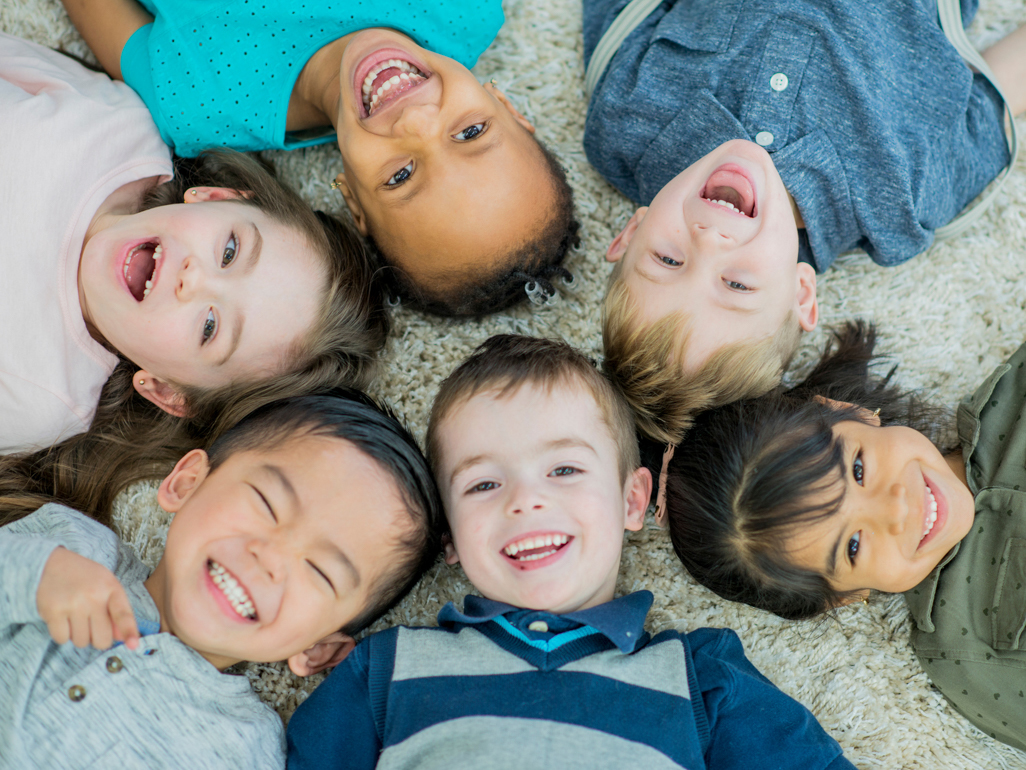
763, 138
302, 524
538, 469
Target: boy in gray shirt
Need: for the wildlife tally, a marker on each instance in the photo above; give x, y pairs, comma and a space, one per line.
304, 523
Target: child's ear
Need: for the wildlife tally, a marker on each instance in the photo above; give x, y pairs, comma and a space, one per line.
355, 209
158, 392
808, 305
327, 653
183, 480
451, 557
639, 492
618, 247
873, 418
201, 194
504, 100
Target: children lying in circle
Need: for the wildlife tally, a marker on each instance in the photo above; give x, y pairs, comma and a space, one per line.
301, 526
870, 132
546, 668
421, 139
188, 292
804, 500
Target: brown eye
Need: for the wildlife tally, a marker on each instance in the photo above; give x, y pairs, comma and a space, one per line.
857, 469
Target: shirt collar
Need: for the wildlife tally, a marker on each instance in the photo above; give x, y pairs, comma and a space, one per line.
621, 621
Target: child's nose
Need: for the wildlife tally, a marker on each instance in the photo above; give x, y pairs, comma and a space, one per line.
710, 239
269, 558
524, 498
417, 120
896, 509
189, 280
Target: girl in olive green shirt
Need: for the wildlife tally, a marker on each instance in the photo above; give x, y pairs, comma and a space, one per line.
804, 500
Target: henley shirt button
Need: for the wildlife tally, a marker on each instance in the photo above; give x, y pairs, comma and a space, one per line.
764, 138
778, 82
540, 626
76, 692
114, 664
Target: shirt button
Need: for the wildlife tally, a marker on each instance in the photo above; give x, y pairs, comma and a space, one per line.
778, 82
540, 626
114, 664
764, 138
76, 692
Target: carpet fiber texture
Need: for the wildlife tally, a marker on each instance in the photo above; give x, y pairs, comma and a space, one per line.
948, 317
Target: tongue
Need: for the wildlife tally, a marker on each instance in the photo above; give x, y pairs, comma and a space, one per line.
730, 186
382, 77
139, 271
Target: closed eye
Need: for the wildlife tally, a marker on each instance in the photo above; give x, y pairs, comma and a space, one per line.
400, 176
230, 250
266, 503
470, 132
209, 327
321, 572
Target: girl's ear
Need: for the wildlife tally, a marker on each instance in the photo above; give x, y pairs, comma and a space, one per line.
327, 653
355, 209
873, 418
183, 480
808, 305
451, 557
639, 492
618, 247
158, 392
504, 100
201, 194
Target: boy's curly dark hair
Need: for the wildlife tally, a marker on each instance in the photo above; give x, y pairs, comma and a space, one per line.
531, 269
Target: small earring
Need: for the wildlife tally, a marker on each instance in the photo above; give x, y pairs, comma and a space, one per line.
876, 412
494, 84
335, 185
194, 191
142, 382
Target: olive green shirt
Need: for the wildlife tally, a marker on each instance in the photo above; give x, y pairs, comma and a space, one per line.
970, 613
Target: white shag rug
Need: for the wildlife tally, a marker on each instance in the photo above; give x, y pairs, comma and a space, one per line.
949, 316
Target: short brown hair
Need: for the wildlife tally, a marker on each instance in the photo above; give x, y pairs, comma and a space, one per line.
641, 361
506, 362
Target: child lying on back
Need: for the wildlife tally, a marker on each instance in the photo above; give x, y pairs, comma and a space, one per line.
539, 475
304, 523
762, 140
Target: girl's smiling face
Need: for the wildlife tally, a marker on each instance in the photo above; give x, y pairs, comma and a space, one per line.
202, 294
905, 506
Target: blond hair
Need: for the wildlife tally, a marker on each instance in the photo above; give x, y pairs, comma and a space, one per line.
643, 362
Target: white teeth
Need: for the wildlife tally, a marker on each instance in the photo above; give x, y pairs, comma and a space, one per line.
158, 252
726, 205
234, 592
931, 516
408, 75
531, 543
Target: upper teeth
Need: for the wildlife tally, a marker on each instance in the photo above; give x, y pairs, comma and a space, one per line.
726, 205
931, 515
158, 252
408, 74
234, 592
541, 541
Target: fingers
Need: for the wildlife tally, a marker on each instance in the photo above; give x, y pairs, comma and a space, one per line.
123, 619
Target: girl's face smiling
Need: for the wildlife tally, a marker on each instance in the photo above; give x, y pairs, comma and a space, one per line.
202, 294
905, 506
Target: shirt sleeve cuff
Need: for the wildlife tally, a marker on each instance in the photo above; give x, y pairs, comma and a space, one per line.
22, 560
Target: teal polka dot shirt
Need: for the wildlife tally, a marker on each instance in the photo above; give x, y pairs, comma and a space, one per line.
219, 73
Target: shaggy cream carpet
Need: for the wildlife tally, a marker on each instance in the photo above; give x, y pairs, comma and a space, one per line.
949, 316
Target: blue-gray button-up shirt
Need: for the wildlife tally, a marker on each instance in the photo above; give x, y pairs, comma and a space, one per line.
879, 130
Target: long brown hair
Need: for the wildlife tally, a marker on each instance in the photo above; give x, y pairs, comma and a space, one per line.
131, 440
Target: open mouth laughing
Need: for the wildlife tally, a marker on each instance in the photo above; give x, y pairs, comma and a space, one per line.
732, 190
387, 80
529, 552
932, 513
140, 268
233, 591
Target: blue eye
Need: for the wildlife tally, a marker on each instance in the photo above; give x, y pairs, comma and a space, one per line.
853, 546
564, 470
400, 176
484, 486
209, 326
230, 249
858, 471
668, 261
736, 285
470, 132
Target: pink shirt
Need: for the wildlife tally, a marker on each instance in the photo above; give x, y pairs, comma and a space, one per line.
69, 137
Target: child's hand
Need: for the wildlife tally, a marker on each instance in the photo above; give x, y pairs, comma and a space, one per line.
82, 601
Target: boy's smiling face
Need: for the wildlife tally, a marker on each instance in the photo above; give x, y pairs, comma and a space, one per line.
732, 269
272, 553
532, 491
442, 172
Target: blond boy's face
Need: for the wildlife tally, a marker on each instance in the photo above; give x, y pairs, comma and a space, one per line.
532, 491
732, 269
275, 551
443, 172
